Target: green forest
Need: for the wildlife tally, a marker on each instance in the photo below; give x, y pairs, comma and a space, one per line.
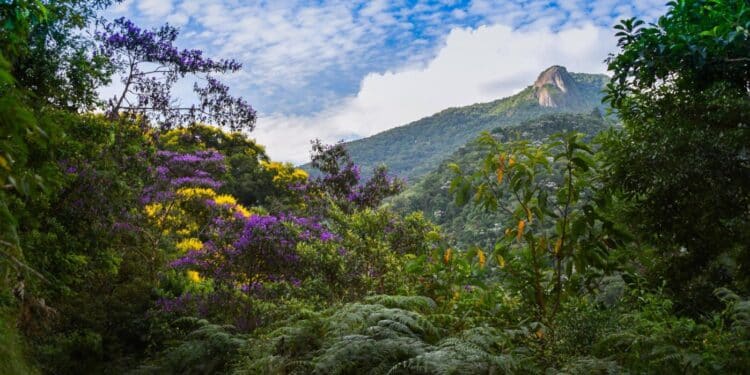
138, 236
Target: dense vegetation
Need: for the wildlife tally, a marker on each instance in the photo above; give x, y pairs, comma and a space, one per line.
471, 224
138, 239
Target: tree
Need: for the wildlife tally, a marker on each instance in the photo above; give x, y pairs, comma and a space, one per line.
341, 179
150, 65
681, 87
556, 241
51, 54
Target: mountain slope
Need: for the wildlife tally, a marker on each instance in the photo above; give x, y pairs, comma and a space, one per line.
471, 224
414, 149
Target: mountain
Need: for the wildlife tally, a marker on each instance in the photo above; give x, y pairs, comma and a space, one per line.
470, 224
412, 150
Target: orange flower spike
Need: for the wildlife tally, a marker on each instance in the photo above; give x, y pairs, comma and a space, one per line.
539, 334
521, 226
482, 259
500, 168
447, 256
512, 161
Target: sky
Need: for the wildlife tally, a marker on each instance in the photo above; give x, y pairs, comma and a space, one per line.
347, 69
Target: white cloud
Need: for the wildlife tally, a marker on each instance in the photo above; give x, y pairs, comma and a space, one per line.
155, 8
410, 58
475, 65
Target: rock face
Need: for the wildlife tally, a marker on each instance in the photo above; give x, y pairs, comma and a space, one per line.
556, 88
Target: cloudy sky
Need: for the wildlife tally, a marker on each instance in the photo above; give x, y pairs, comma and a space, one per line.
346, 69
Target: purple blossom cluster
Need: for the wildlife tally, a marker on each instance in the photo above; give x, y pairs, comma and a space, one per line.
156, 46
259, 247
174, 170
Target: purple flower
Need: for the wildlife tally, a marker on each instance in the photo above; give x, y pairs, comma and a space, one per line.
326, 236
296, 282
196, 181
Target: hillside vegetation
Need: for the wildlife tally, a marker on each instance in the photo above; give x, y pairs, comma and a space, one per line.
471, 224
412, 150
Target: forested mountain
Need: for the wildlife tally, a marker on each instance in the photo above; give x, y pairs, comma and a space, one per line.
471, 224
412, 150
138, 238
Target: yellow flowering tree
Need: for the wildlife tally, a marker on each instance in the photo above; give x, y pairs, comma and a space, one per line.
183, 201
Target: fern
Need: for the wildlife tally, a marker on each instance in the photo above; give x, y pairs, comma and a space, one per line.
737, 309
386, 335
591, 365
412, 303
208, 349
474, 351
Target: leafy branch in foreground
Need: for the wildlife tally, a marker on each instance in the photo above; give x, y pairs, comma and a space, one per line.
557, 242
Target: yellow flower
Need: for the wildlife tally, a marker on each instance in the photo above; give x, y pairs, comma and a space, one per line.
225, 199
521, 226
512, 161
242, 210
190, 193
447, 256
189, 244
194, 276
299, 174
482, 258
153, 209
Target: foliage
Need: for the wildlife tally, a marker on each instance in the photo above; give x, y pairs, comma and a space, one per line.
90, 264
199, 348
650, 339
46, 44
12, 348
680, 87
374, 339
470, 224
555, 244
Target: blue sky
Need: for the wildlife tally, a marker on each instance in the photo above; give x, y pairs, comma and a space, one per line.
348, 69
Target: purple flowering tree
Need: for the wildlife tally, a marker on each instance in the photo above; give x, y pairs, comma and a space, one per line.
150, 65
254, 250
341, 179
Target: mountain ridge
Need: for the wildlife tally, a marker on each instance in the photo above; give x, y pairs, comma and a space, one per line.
414, 149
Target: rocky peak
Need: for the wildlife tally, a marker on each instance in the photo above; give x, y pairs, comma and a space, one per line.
555, 87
